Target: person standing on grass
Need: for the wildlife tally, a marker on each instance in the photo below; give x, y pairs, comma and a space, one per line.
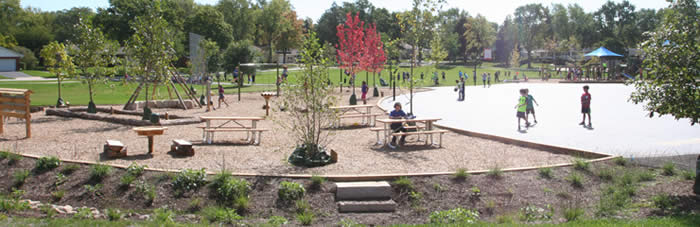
488, 79
285, 73
522, 107
530, 107
253, 77
365, 89
474, 77
221, 96
460, 74
586, 107
483, 79
443, 75
397, 113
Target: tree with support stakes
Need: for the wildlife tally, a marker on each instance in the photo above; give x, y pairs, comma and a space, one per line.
350, 48
151, 51
93, 54
307, 98
59, 63
373, 58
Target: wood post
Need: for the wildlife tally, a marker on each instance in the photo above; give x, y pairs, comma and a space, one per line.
16, 103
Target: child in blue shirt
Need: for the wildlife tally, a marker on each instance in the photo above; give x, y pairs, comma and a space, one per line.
397, 113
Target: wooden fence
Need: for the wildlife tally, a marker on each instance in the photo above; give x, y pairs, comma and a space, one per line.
15, 103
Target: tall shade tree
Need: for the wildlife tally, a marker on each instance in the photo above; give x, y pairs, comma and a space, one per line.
63, 24
307, 98
291, 34
241, 16
151, 50
209, 22
272, 22
59, 63
416, 24
531, 20
437, 50
93, 54
351, 48
480, 35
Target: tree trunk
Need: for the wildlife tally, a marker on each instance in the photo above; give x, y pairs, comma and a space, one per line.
529, 59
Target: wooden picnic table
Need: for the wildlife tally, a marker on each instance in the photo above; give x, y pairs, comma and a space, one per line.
209, 129
150, 132
356, 111
427, 129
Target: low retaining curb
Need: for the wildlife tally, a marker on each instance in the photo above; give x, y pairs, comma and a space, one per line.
117, 120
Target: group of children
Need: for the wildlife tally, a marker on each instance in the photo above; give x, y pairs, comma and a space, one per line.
525, 107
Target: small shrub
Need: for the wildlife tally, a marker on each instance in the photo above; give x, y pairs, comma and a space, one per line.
688, 175
232, 189
505, 219
127, 180
317, 181
99, 172
136, 169
416, 197
605, 174
669, 169
223, 215
83, 213
163, 216
573, 214
44, 164
576, 180
545, 173
195, 204
114, 214
349, 223
580, 164
306, 218
533, 213
646, 175
220, 178
14, 203
438, 188
19, 177
57, 195
48, 210
461, 174
189, 180
4, 155
241, 203
457, 215
663, 202
627, 178
147, 191
495, 173
69, 169
93, 189
613, 199
290, 191
620, 161
277, 221
302, 206
490, 205
404, 184
60, 179
476, 192
13, 158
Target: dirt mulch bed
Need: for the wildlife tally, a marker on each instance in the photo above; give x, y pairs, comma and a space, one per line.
498, 197
79, 139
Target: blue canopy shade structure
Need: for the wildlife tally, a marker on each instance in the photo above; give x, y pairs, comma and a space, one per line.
602, 52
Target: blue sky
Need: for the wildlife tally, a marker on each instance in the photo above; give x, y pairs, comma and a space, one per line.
494, 10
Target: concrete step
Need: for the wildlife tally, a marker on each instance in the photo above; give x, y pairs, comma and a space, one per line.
366, 206
369, 190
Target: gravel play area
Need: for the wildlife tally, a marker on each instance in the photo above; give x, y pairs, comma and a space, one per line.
83, 140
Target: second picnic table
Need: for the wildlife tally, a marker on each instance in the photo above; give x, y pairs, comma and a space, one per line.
209, 129
356, 111
427, 129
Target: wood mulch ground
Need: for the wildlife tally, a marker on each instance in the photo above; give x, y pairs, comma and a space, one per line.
79, 139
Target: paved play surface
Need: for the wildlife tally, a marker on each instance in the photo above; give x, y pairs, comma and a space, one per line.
619, 127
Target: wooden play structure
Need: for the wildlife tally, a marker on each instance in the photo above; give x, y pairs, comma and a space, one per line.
15, 103
172, 85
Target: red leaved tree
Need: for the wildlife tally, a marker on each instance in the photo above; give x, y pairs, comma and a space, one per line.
373, 58
351, 48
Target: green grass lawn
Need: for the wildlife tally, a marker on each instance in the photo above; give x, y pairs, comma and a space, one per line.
38, 73
5, 78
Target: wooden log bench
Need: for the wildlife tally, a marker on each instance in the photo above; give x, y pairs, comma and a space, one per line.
182, 147
254, 140
114, 149
441, 132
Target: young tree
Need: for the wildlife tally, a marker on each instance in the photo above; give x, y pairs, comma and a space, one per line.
373, 58
151, 50
350, 48
480, 35
308, 99
93, 54
57, 60
437, 51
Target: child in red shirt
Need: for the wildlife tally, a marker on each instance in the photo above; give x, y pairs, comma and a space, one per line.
586, 106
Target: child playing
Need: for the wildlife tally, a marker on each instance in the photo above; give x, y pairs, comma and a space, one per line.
221, 96
586, 106
530, 108
365, 89
522, 106
397, 113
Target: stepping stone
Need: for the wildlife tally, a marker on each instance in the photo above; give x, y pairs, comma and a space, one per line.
366, 206
370, 190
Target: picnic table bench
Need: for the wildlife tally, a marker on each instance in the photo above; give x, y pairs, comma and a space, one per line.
426, 129
182, 147
356, 111
253, 134
115, 149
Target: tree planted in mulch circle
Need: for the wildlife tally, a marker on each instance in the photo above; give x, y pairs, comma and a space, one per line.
308, 99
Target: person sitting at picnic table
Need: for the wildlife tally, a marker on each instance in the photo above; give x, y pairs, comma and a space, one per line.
397, 113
